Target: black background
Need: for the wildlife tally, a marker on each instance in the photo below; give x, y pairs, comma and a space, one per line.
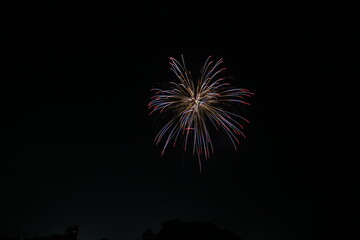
77, 141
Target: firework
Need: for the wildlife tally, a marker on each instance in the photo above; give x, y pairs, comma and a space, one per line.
193, 106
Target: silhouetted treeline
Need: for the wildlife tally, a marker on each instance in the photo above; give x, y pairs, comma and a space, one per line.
70, 234
179, 230
171, 230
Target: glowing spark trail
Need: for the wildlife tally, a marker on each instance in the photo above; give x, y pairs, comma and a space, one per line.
193, 105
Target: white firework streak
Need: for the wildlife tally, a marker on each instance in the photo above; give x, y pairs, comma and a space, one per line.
193, 105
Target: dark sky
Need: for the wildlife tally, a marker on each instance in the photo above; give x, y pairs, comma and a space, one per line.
77, 141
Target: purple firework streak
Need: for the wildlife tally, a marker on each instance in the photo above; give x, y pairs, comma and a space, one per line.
195, 105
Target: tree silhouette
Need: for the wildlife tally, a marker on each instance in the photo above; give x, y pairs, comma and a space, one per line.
179, 230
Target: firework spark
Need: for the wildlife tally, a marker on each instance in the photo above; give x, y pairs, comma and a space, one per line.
195, 105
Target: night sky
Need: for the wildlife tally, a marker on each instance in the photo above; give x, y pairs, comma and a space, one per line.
77, 141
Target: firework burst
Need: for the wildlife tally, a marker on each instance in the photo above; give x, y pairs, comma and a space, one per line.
193, 106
